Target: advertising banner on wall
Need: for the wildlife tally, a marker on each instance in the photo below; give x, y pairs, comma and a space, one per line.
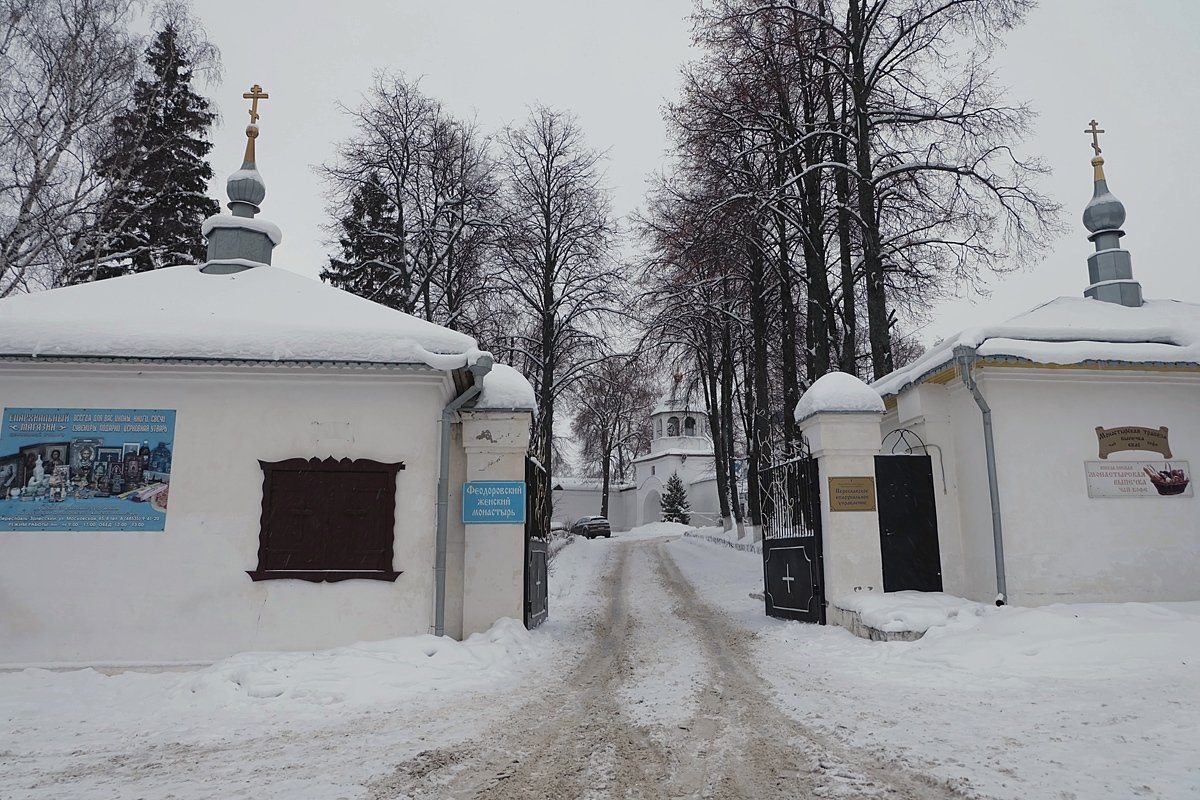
1139, 479
85, 469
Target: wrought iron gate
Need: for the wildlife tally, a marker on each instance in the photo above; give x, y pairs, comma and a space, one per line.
793, 567
537, 535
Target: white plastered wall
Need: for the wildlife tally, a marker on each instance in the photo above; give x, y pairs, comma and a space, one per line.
1061, 545
571, 504
183, 595
697, 471
926, 410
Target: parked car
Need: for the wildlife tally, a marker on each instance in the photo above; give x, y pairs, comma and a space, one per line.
591, 527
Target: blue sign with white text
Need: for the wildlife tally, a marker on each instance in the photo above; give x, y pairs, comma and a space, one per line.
494, 502
85, 469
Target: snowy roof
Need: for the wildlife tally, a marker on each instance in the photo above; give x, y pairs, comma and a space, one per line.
504, 387
838, 392
1073, 330
570, 483
265, 313
675, 406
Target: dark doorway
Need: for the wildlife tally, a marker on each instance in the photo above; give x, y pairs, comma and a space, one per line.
908, 536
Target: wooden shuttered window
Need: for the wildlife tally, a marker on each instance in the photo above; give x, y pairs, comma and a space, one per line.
327, 520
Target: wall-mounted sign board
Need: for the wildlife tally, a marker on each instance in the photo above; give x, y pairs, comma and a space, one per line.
852, 493
1157, 479
1133, 437
85, 469
494, 503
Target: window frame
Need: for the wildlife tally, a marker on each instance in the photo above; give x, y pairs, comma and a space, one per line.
328, 465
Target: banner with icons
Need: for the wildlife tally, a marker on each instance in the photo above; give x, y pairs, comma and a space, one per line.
85, 469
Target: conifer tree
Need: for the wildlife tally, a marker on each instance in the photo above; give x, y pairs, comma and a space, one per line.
369, 247
675, 505
155, 164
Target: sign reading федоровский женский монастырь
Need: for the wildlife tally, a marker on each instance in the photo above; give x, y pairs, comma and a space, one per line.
494, 502
85, 469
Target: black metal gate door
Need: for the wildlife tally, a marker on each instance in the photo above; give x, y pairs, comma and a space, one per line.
908, 535
793, 577
536, 610
537, 534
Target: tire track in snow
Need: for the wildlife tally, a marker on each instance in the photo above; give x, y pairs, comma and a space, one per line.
579, 739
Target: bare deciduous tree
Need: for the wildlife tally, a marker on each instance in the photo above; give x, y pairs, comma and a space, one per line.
555, 247
66, 68
428, 180
613, 404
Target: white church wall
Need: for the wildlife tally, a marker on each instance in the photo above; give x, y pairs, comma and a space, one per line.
622, 508
1061, 545
496, 444
183, 594
705, 502
649, 500
926, 410
973, 496
571, 504
456, 533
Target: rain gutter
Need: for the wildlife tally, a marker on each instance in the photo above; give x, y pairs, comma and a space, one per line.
965, 358
481, 367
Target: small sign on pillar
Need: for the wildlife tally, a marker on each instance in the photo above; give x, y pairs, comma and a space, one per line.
852, 493
494, 503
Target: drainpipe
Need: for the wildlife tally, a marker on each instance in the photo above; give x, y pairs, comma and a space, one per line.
481, 367
965, 358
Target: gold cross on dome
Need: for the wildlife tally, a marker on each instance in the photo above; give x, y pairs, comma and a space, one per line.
254, 95
1095, 131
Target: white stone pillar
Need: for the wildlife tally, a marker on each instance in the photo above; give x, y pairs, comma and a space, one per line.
495, 443
845, 444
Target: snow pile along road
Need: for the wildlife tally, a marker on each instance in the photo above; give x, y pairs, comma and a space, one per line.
1065, 701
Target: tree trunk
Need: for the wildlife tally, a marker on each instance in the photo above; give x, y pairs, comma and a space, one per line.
878, 330
605, 472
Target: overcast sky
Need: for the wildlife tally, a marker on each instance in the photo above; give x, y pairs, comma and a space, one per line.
1135, 67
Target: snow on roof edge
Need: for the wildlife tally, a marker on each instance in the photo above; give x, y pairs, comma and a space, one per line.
1076, 331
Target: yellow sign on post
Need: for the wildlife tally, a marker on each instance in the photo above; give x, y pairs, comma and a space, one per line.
852, 493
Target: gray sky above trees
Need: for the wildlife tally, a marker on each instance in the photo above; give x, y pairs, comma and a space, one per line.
1132, 66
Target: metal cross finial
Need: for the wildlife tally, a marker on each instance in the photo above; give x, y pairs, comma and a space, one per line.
254, 95
1095, 131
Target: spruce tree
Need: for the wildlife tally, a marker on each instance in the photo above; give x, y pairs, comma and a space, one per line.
675, 506
156, 171
369, 248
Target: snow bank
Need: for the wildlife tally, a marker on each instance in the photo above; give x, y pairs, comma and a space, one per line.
363, 674
265, 313
838, 391
1073, 330
907, 611
655, 530
1078, 641
504, 387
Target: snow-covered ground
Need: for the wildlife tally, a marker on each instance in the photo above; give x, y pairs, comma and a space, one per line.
1066, 701
1085, 701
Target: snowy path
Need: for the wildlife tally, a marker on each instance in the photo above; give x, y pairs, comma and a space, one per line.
657, 675
582, 738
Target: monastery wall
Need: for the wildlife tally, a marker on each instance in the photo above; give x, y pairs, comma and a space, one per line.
183, 595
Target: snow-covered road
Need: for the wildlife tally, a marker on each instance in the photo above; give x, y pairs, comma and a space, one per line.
666, 702
656, 676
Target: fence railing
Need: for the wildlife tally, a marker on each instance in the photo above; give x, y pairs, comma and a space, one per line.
790, 498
